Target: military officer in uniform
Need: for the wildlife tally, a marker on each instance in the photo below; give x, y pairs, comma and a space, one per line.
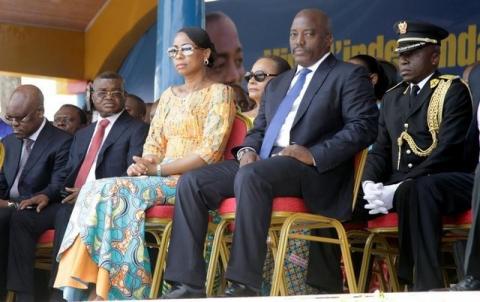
422, 126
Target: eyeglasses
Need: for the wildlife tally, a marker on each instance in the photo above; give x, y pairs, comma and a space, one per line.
21, 120
258, 75
186, 49
104, 93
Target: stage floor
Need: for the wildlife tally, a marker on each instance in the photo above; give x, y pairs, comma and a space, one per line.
374, 297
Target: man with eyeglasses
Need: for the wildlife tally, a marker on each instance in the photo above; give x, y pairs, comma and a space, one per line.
102, 149
312, 122
70, 118
30, 183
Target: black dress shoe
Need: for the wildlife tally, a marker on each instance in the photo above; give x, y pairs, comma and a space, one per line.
236, 289
468, 283
184, 291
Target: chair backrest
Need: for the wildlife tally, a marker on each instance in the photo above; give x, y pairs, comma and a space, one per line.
240, 127
2, 155
360, 159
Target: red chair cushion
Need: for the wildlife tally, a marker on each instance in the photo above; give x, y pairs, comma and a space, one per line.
385, 221
160, 211
46, 237
280, 204
391, 220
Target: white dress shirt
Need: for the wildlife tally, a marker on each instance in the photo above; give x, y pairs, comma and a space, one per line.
283, 138
113, 118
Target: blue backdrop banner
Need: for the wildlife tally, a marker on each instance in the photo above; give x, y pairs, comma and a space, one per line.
360, 26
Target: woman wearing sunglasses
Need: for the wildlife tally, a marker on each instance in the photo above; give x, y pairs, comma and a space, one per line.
103, 255
262, 72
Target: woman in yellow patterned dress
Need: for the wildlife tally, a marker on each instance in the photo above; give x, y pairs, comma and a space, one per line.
103, 247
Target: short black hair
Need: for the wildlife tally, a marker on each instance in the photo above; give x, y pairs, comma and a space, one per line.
201, 38
81, 113
280, 63
110, 75
372, 65
143, 106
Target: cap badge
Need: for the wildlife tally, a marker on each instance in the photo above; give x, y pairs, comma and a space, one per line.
402, 27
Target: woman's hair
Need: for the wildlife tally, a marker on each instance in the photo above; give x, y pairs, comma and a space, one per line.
373, 66
280, 63
201, 39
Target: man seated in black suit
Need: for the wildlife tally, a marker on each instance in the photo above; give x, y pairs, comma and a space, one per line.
416, 165
311, 123
30, 183
103, 149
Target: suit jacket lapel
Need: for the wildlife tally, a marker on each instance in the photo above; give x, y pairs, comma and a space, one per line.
12, 165
42, 142
423, 96
315, 84
117, 129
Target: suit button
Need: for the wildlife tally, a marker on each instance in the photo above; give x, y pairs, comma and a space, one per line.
410, 165
408, 151
405, 125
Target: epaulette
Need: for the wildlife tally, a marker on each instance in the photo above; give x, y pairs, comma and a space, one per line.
402, 82
449, 77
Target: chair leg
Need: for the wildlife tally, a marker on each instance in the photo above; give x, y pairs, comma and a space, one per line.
346, 256
392, 272
367, 253
213, 262
278, 271
162, 254
274, 249
10, 296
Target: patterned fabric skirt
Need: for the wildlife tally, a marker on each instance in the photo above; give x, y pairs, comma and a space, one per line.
108, 222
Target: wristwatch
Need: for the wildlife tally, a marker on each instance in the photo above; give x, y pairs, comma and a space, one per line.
12, 204
159, 170
241, 152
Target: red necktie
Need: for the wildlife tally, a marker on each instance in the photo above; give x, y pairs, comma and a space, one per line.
91, 154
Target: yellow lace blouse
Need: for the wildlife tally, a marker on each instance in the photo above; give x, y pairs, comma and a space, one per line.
200, 123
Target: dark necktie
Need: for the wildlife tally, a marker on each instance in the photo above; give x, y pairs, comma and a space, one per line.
413, 95
279, 118
91, 153
28, 143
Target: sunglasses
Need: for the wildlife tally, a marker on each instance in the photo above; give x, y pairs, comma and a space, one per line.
186, 49
258, 75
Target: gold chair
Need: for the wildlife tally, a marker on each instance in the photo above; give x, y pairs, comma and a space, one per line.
310, 222
284, 210
385, 227
158, 220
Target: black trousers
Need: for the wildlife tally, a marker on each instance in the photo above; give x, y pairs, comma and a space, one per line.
472, 253
254, 186
420, 205
24, 228
61, 222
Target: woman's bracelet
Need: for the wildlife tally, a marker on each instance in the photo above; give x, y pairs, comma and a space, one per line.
159, 170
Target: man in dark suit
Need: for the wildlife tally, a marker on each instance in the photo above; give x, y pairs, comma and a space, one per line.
471, 281
312, 121
121, 139
421, 136
30, 183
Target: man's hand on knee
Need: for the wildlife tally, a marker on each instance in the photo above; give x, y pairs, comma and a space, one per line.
298, 152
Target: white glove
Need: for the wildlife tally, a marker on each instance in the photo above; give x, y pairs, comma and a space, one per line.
384, 203
371, 190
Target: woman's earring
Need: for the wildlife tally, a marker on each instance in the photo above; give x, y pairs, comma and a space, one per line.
206, 62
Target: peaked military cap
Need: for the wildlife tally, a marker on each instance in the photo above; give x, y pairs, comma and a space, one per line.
416, 34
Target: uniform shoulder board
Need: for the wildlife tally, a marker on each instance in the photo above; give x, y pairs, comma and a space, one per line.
449, 77
399, 84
